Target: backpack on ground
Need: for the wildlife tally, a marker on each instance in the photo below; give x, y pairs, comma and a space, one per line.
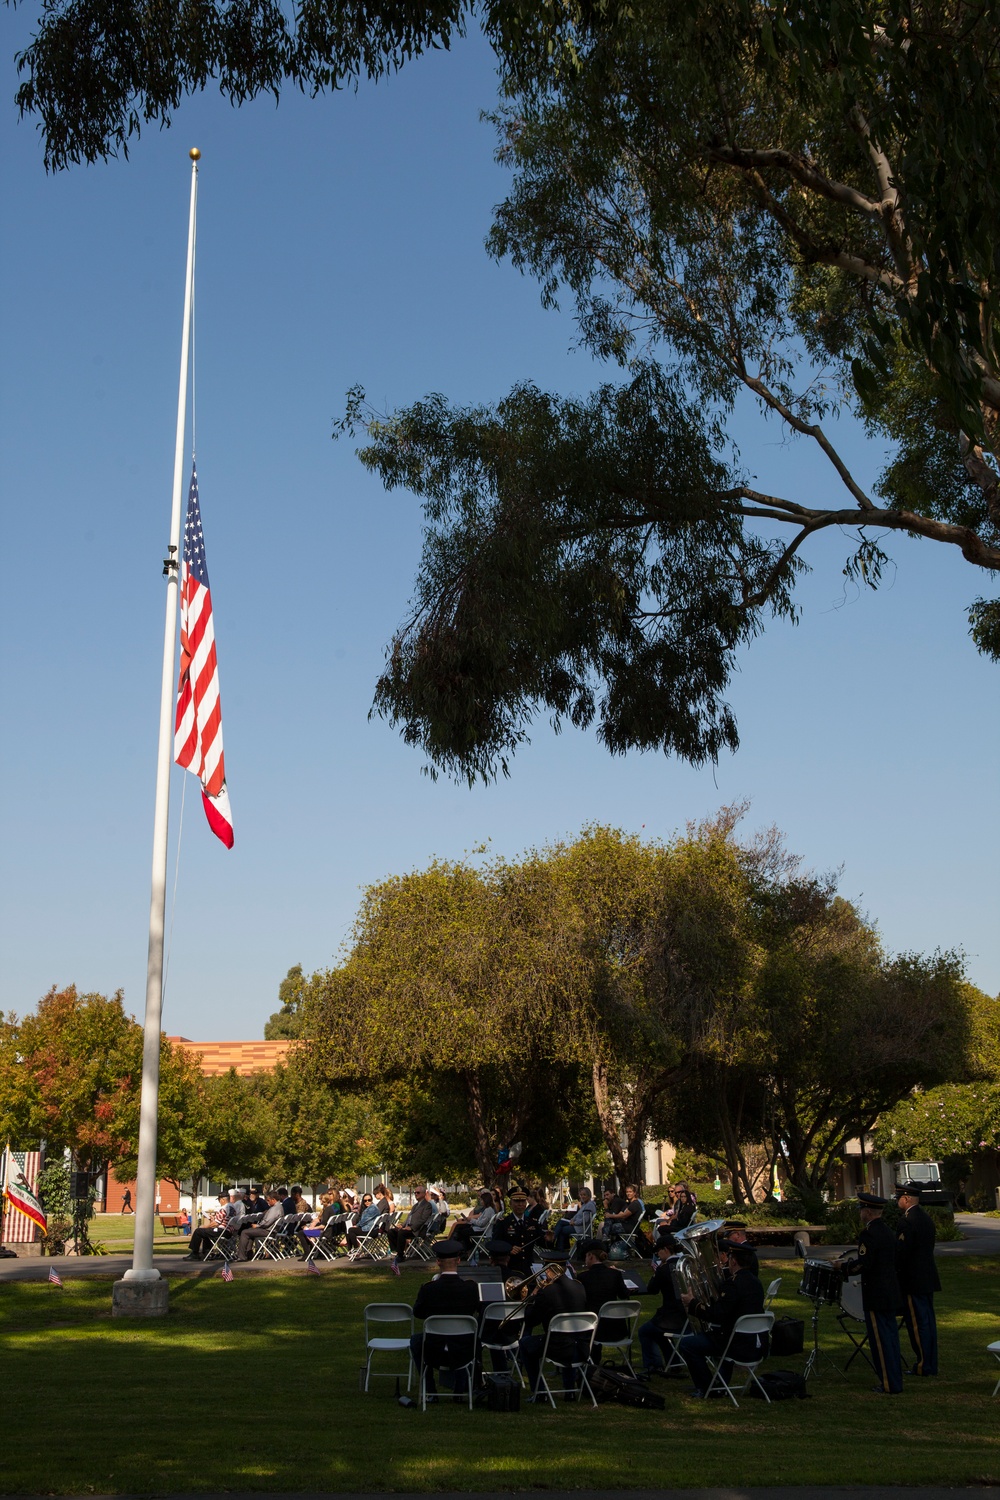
787, 1337
780, 1385
610, 1384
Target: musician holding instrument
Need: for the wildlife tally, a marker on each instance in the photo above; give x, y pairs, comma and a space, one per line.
561, 1294
880, 1297
670, 1317
741, 1293
447, 1293
918, 1277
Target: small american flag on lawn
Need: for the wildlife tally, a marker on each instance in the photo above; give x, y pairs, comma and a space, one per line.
227, 1271
394, 1267
54, 1276
313, 1267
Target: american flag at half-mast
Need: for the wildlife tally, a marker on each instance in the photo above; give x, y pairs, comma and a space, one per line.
198, 726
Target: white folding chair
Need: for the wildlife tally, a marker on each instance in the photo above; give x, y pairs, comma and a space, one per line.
274, 1244
373, 1242
676, 1360
772, 1291
994, 1349
619, 1312
450, 1326
583, 1326
419, 1247
380, 1314
756, 1325
478, 1243
501, 1325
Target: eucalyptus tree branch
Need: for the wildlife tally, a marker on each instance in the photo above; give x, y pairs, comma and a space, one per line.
807, 429
806, 172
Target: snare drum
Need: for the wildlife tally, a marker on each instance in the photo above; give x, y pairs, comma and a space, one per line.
821, 1280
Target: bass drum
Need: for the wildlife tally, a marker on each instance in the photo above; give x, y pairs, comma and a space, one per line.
821, 1280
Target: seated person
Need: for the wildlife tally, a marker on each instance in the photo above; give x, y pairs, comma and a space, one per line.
682, 1214
471, 1225
614, 1204
578, 1222
562, 1296
603, 1283
416, 1220
735, 1233
300, 1203
743, 1294
448, 1293
628, 1219
371, 1212
203, 1239
329, 1208
669, 1318
499, 1252
439, 1202
251, 1232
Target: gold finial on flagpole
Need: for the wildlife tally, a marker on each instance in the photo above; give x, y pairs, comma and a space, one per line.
194, 154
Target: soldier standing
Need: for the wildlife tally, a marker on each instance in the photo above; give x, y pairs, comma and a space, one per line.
876, 1260
918, 1277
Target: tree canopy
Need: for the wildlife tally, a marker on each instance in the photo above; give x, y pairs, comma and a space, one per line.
744, 199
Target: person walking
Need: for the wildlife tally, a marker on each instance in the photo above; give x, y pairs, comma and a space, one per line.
127, 1201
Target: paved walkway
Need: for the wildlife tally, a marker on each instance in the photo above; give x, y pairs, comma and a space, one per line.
782, 1492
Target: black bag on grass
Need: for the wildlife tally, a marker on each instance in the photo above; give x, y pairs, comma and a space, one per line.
609, 1384
500, 1393
780, 1385
787, 1336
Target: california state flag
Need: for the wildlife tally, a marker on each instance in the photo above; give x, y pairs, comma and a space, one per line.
18, 1193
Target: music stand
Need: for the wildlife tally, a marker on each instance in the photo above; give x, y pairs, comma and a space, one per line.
816, 1353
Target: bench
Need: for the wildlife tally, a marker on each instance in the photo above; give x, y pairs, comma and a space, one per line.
171, 1221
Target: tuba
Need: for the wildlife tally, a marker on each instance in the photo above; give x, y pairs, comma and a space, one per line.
695, 1269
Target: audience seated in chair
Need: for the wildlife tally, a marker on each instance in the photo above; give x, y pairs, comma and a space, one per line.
578, 1222
448, 1293
417, 1219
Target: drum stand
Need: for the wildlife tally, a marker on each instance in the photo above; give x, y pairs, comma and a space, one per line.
816, 1353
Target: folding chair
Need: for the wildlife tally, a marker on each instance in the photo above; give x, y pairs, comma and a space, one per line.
620, 1312
751, 1324
419, 1247
380, 1314
994, 1349
478, 1243
773, 1289
373, 1242
442, 1325
271, 1246
583, 1325
501, 1325
851, 1315
676, 1360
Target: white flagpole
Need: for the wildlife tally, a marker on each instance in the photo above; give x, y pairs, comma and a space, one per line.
142, 1269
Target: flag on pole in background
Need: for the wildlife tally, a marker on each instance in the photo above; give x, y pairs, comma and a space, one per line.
198, 725
18, 1194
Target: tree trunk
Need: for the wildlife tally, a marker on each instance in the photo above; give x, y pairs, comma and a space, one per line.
484, 1147
609, 1125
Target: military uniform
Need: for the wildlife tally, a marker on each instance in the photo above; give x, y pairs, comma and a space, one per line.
880, 1297
918, 1281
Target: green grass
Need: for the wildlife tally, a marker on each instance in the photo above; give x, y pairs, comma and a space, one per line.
116, 1233
254, 1385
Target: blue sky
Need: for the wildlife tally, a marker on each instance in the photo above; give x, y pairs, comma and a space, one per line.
340, 241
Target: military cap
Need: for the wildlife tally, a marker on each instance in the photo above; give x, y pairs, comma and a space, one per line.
499, 1247
449, 1249
911, 1189
872, 1200
554, 1257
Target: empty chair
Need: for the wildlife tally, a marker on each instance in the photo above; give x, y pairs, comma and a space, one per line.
383, 1315
501, 1325
772, 1291
994, 1349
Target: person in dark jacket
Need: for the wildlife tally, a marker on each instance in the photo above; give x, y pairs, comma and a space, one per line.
562, 1296
918, 1277
670, 1316
448, 1293
742, 1295
603, 1283
876, 1260
735, 1233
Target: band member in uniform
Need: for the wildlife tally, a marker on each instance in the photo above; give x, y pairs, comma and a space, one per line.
743, 1294
603, 1283
735, 1233
876, 1260
918, 1277
562, 1296
446, 1293
670, 1317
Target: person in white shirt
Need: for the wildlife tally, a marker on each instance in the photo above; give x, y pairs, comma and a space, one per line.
579, 1223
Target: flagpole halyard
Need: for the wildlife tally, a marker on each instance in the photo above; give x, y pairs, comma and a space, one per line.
128, 1297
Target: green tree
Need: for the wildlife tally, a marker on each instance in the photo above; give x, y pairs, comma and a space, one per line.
744, 202
289, 1022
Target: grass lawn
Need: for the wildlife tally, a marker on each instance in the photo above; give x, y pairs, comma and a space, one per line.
254, 1385
116, 1232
